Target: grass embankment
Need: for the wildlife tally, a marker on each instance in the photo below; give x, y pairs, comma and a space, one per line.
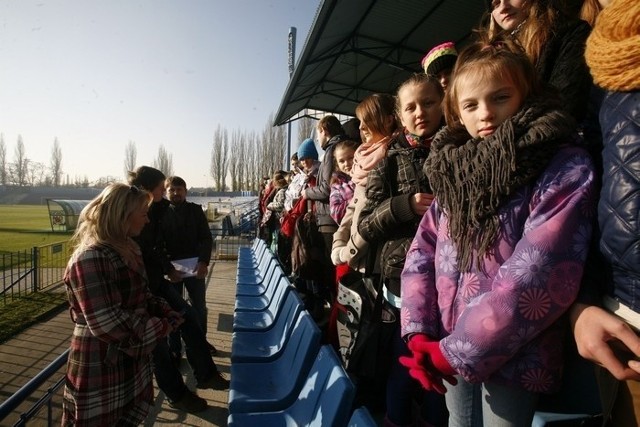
21, 228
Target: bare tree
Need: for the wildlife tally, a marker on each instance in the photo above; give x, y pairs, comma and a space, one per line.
3, 161
236, 160
130, 157
256, 161
35, 173
56, 163
164, 161
19, 167
305, 128
219, 158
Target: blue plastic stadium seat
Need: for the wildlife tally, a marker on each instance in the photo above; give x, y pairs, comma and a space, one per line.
273, 294
361, 417
274, 385
252, 346
254, 265
324, 400
250, 257
263, 319
257, 275
260, 284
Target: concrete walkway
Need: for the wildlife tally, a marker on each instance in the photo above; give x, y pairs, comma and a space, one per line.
23, 356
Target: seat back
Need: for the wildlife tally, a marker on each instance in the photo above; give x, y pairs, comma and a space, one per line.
252, 346
361, 417
274, 385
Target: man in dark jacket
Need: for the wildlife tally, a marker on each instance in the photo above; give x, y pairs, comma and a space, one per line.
186, 236
330, 132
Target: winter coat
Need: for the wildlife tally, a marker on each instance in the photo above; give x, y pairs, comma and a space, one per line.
109, 372
320, 193
297, 186
156, 259
340, 196
619, 205
499, 322
387, 218
185, 232
562, 65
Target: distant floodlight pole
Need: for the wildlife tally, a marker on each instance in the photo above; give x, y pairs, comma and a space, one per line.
291, 59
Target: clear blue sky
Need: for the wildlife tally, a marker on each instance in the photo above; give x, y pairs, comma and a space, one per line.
96, 74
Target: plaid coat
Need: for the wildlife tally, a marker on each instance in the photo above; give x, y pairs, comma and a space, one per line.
109, 374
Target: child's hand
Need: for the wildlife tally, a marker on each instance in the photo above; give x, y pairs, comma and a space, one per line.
420, 202
428, 365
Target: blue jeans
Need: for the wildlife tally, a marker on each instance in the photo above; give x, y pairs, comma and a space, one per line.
195, 341
197, 290
489, 404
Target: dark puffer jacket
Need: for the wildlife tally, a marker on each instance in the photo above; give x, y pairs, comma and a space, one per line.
388, 219
619, 206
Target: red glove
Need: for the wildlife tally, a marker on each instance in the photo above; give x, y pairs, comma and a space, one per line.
428, 365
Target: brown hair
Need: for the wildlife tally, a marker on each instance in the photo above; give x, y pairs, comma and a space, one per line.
418, 79
377, 112
176, 181
589, 11
541, 20
331, 125
490, 58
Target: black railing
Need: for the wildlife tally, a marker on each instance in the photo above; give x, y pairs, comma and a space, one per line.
9, 405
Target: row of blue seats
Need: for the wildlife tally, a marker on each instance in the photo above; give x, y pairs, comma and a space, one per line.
281, 375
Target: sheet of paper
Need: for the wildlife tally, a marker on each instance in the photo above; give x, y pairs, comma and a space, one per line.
186, 267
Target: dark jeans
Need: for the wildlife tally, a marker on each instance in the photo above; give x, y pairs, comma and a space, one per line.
403, 390
197, 289
195, 342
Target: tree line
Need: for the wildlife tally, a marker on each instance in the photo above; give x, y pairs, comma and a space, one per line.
238, 162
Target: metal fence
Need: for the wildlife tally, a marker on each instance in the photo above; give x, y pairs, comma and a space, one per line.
32, 270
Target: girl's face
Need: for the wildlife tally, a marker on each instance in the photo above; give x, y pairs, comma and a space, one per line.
137, 220
344, 158
158, 191
508, 14
485, 103
420, 108
369, 136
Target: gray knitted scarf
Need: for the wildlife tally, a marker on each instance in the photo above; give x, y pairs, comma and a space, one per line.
472, 177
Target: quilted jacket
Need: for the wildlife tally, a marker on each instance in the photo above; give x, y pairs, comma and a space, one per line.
619, 205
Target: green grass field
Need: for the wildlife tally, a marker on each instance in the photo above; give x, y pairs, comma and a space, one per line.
25, 226
21, 228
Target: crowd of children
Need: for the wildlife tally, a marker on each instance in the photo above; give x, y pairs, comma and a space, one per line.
471, 198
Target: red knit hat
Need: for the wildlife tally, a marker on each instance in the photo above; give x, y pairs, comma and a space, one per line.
440, 58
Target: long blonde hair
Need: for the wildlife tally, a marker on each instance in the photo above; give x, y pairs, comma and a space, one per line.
105, 219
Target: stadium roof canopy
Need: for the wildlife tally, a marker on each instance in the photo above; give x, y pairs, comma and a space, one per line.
358, 47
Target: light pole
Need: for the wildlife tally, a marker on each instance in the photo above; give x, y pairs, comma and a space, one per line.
292, 61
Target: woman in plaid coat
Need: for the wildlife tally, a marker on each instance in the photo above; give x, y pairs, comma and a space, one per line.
117, 321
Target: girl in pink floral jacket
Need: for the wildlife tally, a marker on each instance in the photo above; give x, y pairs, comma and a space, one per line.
499, 255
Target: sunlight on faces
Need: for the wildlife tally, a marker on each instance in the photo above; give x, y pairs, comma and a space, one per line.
137, 220
344, 158
485, 101
508, 14
420, 108
176, 193
369, 136
322, 136
306, 164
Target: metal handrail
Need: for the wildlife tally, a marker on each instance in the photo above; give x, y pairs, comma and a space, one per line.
9, 405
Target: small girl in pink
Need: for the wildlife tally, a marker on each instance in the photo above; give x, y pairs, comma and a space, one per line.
342, 186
